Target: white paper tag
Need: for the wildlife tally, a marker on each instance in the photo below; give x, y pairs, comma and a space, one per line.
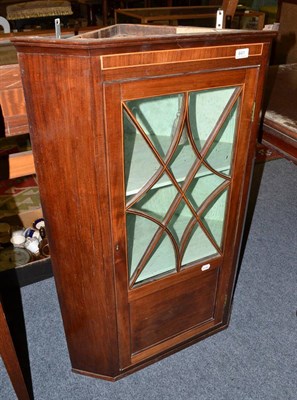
205, 267
242, 53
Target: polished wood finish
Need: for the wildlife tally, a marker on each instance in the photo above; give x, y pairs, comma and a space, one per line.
10, 359
12, 101
15, 122
280, 118
229, 7
74, 92
21, 164
190, 303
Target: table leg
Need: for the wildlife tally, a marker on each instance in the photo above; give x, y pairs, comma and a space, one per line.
10, 359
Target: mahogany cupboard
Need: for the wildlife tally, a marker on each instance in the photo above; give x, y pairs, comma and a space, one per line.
143, 139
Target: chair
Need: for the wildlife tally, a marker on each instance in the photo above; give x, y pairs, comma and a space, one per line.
37, 11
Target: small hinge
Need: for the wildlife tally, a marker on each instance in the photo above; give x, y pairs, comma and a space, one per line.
253, 111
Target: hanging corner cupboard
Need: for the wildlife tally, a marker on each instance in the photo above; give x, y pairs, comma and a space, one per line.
143, 139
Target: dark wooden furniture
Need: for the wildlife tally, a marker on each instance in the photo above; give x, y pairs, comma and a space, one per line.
151, 133
201, 15
13, 114
279, 129
195, 15
5, 3
169, 15
14, 119
280, 118
92, 7
285, 51
10, 359
105, 9
198, 16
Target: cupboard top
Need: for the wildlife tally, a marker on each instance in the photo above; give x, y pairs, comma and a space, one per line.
139, 37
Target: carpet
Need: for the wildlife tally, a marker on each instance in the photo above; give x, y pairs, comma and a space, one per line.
254, 359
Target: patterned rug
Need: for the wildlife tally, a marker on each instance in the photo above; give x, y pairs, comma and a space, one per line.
18, 196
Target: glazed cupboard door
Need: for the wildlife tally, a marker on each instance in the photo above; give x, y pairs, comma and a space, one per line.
182, 142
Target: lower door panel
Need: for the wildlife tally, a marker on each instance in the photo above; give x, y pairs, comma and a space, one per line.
168, 312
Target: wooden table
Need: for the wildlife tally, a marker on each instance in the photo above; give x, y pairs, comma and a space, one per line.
13, 114
171, 15
15, 122
198, 15
280, 119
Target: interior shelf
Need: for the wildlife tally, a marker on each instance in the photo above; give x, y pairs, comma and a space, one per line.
141, 165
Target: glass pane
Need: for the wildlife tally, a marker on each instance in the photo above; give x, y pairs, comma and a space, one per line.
205, 108
220, 154
161, 261
198, 247
158, 117
179, 221
153, 126
214, 217
183, 159
137, 241
140, 162
202, 186
157, 201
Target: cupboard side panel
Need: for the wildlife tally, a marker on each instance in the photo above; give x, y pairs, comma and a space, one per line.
246, 156
70, 160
